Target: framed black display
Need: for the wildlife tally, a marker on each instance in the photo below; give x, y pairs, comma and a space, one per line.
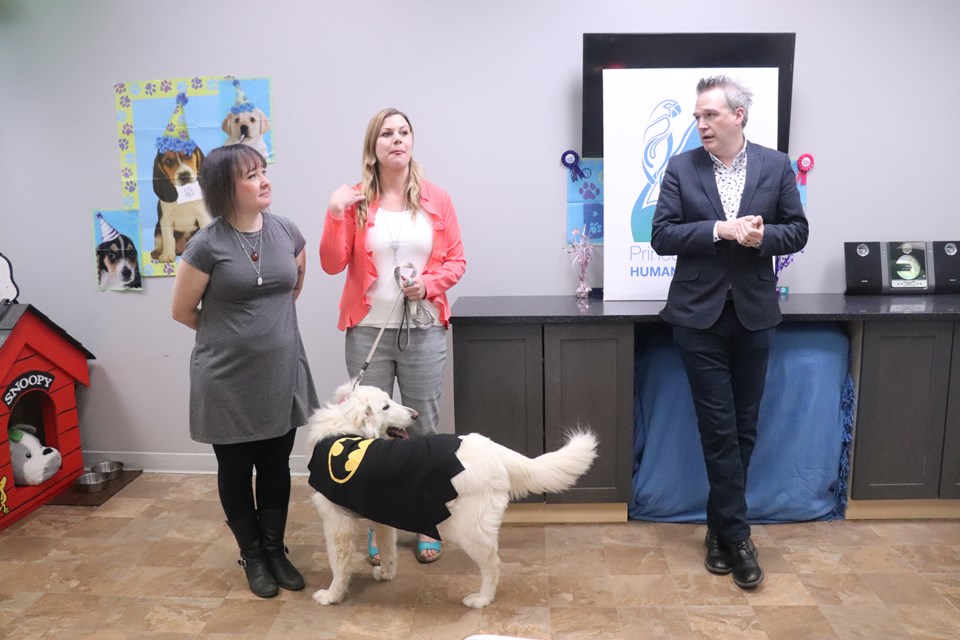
680, 50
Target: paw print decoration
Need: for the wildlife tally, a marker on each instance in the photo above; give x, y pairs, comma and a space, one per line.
589, 191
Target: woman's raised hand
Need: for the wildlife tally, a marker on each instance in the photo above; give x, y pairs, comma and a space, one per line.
342, 197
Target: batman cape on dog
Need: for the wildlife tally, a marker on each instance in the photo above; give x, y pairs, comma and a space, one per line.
401, 483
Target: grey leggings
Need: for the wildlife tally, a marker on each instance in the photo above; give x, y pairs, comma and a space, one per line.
418, 369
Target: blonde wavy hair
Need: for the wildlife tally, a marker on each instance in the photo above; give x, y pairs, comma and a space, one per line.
370, 177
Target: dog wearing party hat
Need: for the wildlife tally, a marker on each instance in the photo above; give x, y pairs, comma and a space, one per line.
118, 263
246, 123
180, 209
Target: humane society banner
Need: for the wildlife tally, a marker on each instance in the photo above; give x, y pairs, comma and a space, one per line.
647, 119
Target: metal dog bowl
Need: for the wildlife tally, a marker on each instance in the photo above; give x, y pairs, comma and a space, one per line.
91, 482
110, 469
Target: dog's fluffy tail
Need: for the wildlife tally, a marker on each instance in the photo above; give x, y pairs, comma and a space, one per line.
552, 472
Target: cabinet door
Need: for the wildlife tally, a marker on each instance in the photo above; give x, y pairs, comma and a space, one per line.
588, 381
498, 384
950, 480
901, 410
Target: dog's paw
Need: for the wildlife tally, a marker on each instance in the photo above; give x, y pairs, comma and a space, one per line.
381, 573
477, 601
325, 597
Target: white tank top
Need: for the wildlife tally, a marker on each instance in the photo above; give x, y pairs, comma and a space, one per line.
395, 238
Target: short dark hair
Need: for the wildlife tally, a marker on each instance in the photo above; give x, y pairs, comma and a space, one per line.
219, 175
736, 93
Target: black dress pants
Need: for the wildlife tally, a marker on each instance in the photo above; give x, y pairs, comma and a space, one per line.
726, 366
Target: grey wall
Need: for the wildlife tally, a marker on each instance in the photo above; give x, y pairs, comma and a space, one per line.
493, 89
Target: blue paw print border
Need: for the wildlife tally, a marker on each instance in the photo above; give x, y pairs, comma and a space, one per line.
585, 201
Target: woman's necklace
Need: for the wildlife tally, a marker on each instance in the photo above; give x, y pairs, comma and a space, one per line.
395, 239
256, 248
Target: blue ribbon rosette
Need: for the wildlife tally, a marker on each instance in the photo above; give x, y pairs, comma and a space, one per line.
571, 160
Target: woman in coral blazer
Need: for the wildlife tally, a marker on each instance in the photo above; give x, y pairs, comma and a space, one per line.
398, 238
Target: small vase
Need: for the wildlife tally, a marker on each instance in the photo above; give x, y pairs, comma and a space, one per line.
583, 291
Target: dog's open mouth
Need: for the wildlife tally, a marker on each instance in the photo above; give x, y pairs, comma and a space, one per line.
397, 432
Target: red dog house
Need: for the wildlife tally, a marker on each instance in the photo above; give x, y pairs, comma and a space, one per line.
40, 366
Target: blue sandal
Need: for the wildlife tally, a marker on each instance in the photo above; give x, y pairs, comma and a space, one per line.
372, 552
428, 545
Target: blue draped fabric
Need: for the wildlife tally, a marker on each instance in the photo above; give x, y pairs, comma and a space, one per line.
800, 463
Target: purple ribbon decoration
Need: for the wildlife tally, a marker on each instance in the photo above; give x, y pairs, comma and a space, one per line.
571, 160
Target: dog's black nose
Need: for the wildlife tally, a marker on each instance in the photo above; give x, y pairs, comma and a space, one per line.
244, 130
414, 414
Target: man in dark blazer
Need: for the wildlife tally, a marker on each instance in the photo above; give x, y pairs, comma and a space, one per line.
725, 210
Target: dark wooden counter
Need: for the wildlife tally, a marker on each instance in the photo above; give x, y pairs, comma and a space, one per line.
527, 366
492, 310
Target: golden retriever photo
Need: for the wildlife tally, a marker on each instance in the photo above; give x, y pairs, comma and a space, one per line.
246, 123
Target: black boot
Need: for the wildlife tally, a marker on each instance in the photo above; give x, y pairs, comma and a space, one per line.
273, 522
718, 556
746, 570
261, 580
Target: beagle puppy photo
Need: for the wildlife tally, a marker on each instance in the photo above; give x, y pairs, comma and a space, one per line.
180, 208
118, 260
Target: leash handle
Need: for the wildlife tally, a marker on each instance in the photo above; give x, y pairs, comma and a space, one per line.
401, 282
405, 316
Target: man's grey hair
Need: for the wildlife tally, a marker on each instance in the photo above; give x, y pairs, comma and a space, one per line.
736, 93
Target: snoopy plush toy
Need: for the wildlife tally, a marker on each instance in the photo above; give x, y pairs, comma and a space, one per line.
32, 462
8, 288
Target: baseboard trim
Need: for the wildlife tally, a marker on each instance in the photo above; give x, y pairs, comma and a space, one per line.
903, 510
154, 462
524, 513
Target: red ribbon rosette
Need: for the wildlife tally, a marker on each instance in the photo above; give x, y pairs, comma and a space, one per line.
804, 164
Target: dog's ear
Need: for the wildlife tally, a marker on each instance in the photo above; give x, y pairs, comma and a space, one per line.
357, 412
161, 183
343, 391
226, 124
101, 267
200, 157
264, 122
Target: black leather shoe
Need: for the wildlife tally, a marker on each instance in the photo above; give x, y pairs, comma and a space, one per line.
718, 557
746, 570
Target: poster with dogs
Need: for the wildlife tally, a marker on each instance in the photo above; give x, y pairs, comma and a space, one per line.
116, 255
165, 129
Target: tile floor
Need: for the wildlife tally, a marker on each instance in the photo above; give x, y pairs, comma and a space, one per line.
157, 561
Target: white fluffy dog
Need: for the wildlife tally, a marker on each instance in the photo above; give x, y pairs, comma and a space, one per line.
343, 436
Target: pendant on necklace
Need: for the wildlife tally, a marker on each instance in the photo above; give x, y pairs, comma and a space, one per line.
259, 281
254, 256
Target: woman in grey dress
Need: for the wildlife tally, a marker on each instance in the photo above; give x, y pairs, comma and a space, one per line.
250, 385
